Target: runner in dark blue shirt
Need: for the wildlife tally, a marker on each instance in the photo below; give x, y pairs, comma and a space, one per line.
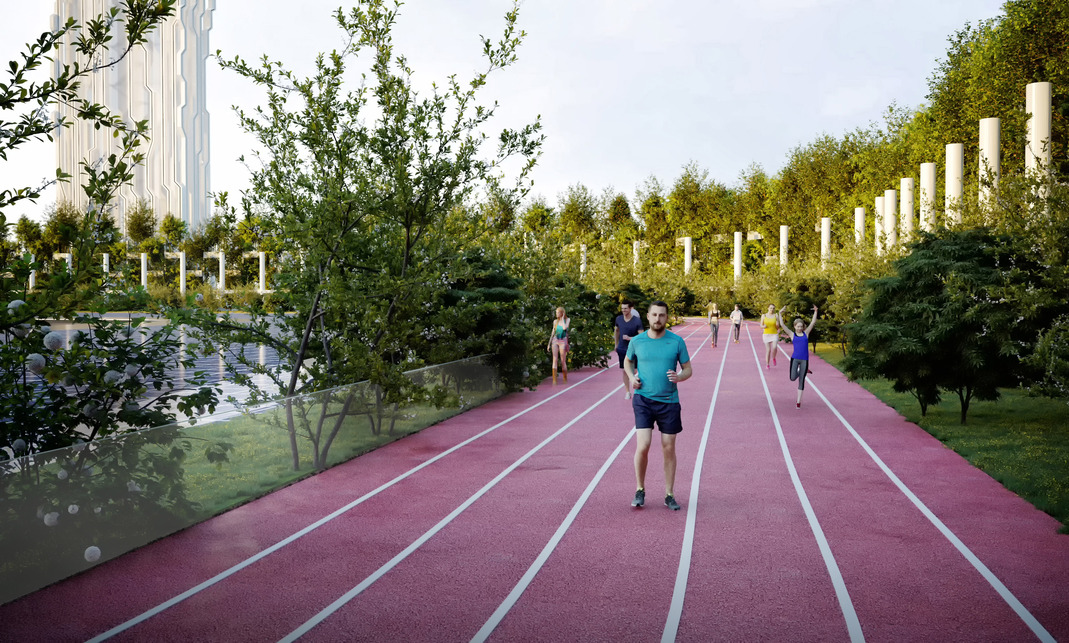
627, 326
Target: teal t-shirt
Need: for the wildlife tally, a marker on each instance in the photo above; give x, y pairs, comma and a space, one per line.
655, 357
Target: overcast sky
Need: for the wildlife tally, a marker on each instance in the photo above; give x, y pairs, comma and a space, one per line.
626, 89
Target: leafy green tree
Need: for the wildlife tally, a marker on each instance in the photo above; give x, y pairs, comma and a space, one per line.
752, 202
942, 321
620, 222
1051, 358
49, 387
538, 216
499, 212
659, 239
578, 213
115, 377
371, 204
28, 234
173, 231
140, 222
63, 226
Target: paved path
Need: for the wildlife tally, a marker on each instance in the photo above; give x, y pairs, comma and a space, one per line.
512, 522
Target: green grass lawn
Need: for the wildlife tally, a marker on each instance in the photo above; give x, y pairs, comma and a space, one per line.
1021, 441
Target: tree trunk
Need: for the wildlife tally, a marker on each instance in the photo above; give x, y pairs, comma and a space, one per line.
337, 423
293, 434
965, 396
318, 457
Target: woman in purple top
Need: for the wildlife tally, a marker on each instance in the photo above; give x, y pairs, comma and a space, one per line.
800, 355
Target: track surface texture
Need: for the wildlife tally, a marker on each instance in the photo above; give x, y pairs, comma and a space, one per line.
838, 521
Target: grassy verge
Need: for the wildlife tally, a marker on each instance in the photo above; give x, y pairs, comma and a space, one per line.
1021, 441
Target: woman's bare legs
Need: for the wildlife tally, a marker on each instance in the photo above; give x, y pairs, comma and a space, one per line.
560, 351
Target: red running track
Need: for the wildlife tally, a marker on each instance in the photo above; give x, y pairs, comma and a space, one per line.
512, 522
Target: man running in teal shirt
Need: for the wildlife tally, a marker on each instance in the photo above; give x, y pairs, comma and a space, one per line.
656, 401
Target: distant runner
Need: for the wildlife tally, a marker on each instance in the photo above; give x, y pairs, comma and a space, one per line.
736, 322
627, 326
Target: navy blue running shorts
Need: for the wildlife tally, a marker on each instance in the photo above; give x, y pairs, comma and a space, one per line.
622, 355
666, 414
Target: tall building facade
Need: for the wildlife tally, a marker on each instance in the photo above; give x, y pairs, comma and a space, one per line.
162, 82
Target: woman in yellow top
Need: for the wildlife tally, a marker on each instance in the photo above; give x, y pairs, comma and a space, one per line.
770, 334
558, 343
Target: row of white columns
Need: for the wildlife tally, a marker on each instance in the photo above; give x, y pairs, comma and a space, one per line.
181, 257
1037, 158
894, 208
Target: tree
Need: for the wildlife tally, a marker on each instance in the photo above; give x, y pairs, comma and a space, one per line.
173, 231
538, 216
578, 213
28, 234
371, 202
62, 394
140, 222
653, 212
115, 377
620, 221
944, 321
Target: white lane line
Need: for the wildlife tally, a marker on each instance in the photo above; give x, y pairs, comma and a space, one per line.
853, 625
1031, 621
319, 523
675, 611
407, 551
513, 596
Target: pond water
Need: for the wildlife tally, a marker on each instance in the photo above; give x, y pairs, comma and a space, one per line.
214, 366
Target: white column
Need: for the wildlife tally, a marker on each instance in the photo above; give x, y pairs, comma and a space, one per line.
222, 271
582, 259
688, 254
988, 168
905, 208
33, 274
877, 227
783, 247
1037, 153
634, 255
825, 241
1037, 104
954, 181
738, 256
927, 196
144, 270
859, 225
221, 256
107, 263
890, 219
181, 256
263, 272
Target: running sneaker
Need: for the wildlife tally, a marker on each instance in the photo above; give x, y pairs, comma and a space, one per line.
640, 498
773, 361
798, 405
671, 503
